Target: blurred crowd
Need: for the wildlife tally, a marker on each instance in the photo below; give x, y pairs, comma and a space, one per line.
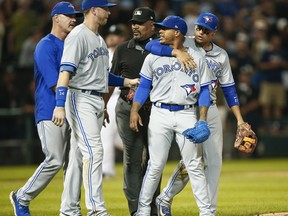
253, 32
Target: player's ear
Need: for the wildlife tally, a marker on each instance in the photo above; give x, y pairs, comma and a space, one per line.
56, 18
153, 26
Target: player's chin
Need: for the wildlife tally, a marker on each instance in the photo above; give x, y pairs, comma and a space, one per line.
162, 40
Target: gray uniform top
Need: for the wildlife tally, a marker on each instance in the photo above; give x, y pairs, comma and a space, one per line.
87, 52
171, 85
218, 62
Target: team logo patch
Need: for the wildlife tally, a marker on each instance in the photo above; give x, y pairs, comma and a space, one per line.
189, 88
138, 13
208, 19
214, 84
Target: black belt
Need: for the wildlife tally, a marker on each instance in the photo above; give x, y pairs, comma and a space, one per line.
172, 107
92, 92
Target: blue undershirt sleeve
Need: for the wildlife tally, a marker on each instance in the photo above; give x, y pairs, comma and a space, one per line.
231, 95
115, 80
143, 90
204, 96
156, 48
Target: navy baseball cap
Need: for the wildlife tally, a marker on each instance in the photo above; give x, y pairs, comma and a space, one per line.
142, 14
87, 4
207, 20
173, 22
65, 8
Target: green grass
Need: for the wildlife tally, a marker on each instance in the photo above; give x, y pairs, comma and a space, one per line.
247, 187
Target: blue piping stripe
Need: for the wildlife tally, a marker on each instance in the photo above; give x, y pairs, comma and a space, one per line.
88, 147
41, 167
176, 173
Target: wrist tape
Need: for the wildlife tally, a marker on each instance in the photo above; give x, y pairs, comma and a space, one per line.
61, 93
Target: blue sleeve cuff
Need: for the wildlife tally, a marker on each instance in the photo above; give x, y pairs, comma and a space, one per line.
143, 90
231, 95
115, 80
204, 96
67, 68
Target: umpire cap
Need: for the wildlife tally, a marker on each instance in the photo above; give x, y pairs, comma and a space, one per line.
142, 15
65, 8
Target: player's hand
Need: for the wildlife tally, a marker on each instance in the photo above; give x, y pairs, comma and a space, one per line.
134, 120
106, 118
131, 83
59, 116
185, 59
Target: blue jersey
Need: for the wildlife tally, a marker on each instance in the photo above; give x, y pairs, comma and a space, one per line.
47, 58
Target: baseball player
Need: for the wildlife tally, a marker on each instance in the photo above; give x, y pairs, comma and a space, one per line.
174, 94
218, 61
54, 140
85, 69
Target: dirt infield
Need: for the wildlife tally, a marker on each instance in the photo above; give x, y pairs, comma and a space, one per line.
274, 214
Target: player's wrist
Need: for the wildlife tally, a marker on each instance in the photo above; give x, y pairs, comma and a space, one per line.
61, 93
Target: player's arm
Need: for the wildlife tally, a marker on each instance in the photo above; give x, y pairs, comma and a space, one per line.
233, 102
156, 48
115, 80
204, 102
141, 95
59, 115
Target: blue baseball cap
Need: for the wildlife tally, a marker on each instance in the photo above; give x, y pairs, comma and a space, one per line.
207, 20
65, 8
87, 4
173, 22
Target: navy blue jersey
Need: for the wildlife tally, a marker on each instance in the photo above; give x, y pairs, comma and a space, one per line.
47, 58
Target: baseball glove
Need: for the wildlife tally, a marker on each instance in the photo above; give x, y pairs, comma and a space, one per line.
199, 133
246, 139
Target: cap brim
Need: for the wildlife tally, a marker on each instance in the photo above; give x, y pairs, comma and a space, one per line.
205, 25
159, 25
138, 20
77, 13
108, 5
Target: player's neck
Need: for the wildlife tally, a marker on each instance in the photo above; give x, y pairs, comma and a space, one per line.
207, 46
90, 24
58, 33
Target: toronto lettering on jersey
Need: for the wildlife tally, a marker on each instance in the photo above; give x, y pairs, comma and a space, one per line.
99, 51
174, 67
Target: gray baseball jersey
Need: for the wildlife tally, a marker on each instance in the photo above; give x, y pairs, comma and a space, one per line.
87, 51
176, 87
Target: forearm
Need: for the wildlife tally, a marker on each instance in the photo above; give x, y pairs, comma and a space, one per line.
136, 106
203, 113
63, 79
62, 88
237, 113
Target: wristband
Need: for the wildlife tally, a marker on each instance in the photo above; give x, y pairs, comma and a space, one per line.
61, 93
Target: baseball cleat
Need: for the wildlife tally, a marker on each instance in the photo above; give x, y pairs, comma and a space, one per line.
163, 207
19, 210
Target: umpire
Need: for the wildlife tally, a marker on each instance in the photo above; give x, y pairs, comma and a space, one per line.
127, 62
